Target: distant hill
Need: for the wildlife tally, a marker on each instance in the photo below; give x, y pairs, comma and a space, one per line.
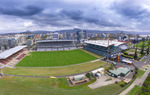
77, 29
41, 31
26, 32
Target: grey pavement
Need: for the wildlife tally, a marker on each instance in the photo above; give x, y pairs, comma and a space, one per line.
140, 63
102, 82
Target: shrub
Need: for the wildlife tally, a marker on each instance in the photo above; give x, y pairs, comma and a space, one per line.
108, 79
121, 83
88, 75
126, 53
127, 56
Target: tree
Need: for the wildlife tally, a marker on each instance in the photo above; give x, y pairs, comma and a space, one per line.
5, 46
135, 53
142, 48
148, 47
143, 39
147, 51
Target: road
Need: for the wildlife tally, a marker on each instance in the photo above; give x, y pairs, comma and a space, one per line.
141, 63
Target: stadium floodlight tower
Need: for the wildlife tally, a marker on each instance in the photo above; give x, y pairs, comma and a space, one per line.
108, 49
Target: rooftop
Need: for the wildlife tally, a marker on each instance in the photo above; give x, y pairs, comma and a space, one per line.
98, 70
54, 41
79, 76
10, 52
104, 43
120, 70
126, 60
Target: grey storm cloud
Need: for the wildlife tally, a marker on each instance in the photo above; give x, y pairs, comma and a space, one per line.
131, 12
23, 11
130, 9
79, 16
68, 13
35, 12
75, 15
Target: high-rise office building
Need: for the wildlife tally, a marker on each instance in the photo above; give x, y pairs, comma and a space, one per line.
81, 36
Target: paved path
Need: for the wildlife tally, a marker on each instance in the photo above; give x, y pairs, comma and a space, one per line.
49, 76
138, 82
140, 63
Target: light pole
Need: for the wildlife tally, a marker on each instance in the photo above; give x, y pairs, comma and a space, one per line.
2, 72
108, 49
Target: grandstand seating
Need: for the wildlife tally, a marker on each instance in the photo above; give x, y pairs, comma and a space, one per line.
55, 46
100, 50
14, 59
21, 56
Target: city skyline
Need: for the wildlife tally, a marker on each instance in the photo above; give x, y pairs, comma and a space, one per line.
126, 15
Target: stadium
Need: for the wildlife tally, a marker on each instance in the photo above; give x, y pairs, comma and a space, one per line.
55, 58
51, 53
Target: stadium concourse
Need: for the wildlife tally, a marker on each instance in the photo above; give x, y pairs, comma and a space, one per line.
11, 57
56, 45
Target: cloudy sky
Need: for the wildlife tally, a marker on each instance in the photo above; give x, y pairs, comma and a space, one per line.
22, 15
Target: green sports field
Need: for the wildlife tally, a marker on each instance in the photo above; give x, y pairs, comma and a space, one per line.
55, 58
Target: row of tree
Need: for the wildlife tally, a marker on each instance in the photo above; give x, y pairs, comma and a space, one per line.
142, 49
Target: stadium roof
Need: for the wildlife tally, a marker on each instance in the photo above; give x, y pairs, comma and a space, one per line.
54, 41
10, 52
104, 43
123, 47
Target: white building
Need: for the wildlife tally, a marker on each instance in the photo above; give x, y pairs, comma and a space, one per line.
20, 39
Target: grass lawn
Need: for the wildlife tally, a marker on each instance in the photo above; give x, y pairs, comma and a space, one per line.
46, 86
57, 70
91, 53
128, 56
134, 90
141, 43
140, 73
131, 50
55, 58
143, 60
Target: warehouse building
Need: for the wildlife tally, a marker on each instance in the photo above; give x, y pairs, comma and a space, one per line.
77, 79
98, 72
121, 71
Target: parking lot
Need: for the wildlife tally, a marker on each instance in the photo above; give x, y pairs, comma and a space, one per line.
102, 81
